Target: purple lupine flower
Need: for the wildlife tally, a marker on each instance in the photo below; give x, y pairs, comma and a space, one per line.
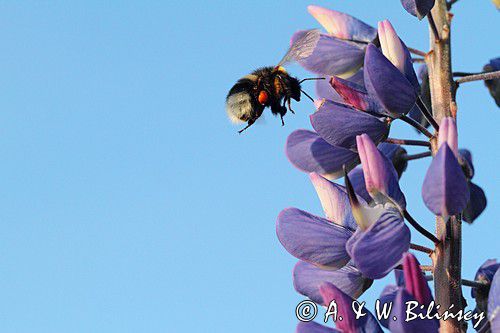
355, 95
418, 8
341, 51
307, 240
349, 322
465, 160
445, 190
494, 303
477, 198
342, 25
309, 152
394, 153
493, 85
357, 180
333, 56
414, 288
378, 244
484, 275
425, 95
324, 91
312, 238
381, 178
382, 237
389, 74
388, 84
339, 125
396, 51
334, 200
476, 205
317, 240
307, 278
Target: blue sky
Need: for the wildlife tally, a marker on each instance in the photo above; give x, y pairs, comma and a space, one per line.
128, 203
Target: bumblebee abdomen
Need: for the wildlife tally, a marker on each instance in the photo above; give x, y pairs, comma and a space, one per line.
239, 107
240, 101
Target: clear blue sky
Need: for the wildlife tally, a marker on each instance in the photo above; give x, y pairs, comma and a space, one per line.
128, 203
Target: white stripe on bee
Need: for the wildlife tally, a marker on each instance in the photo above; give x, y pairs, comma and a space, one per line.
251, 77
239, 107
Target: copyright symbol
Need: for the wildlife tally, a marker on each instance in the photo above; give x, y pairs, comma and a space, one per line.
306, 311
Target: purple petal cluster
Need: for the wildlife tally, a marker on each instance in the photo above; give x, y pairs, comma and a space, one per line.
389, 73
413, 288
493, 85
418, 8
477, 198
341, 50
370, 82
445, 191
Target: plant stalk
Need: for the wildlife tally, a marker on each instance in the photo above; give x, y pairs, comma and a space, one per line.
479, 77
408, 142
447, 259
412, 157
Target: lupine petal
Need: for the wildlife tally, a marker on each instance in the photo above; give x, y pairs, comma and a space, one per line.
494, 303
485, 273
313, 327
387, 296
448, 133
418, 8
342, 25
476, 205
395, 154
413, 326
310, 153
396, 51
383, 80
378, 249
445, 190
493, 85
425, 95
307, 279
400, 277
334, 200
324, 91
339, 125
358, 183
333, 56
349, 323
415, 281
358, 78
465, 159
312, 238
354, 95
381, 178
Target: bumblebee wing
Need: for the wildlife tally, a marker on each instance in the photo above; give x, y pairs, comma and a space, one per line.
302, 46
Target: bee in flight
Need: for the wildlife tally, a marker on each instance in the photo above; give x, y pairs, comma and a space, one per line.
270, 86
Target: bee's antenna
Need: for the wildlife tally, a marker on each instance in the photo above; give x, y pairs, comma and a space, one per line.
312, 100
312, 78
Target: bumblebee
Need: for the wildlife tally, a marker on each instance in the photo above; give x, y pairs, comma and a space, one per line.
270, 87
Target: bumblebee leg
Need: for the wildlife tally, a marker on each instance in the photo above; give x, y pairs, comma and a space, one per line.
290, 106
282, 113
250, 123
